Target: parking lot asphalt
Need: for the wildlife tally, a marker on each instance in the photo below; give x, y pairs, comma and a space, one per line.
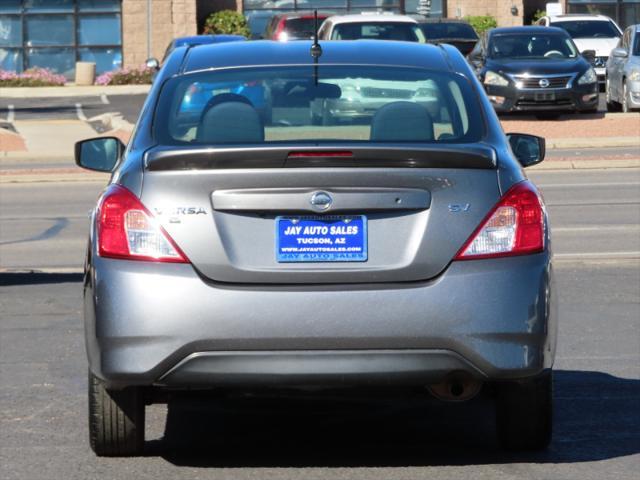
43, 435
70, 108
367, 435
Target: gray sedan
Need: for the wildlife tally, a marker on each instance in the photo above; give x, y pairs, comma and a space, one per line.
400, 250
623, 73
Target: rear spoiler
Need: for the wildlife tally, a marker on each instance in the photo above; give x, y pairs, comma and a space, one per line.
343, 155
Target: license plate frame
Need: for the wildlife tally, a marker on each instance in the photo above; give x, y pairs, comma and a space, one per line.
352, 248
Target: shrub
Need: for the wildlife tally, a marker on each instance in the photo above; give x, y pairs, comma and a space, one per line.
33, 77
482, 23
537, 16
227, 22
126, 76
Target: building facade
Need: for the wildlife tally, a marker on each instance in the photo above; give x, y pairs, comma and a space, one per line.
112, 33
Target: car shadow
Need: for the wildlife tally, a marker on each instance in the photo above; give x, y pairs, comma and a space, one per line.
596, 418
35, 277
552, 116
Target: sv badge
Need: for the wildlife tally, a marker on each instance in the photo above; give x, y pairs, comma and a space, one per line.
459, 207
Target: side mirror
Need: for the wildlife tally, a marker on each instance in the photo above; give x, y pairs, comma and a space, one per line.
99, 154
152, 63
528, 149
619, 53
589, 55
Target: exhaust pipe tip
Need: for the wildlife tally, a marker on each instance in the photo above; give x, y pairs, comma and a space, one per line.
456, 387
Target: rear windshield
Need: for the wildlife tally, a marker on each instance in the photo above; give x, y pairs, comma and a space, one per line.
531, 46
357, 103
406, 32
301, 27
438, 31
636, 45
589, 28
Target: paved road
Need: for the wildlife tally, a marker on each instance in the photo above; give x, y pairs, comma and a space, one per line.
42, 370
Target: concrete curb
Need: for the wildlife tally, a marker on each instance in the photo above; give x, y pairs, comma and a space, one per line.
593, 142
586, 164
73, 91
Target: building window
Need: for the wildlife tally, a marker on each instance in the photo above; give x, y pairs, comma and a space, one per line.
624, 12
56, 34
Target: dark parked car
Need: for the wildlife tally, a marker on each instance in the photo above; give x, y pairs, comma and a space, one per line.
293, 26
401, 250
537, 69
449, 30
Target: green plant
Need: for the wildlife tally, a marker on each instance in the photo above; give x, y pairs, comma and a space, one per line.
227, 22
537, 16
482, 23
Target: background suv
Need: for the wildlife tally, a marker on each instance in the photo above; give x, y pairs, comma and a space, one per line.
589, 32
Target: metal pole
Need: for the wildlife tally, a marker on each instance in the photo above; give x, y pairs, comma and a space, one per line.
148, 28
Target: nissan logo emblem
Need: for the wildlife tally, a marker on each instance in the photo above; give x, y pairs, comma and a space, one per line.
321, 201
543, 82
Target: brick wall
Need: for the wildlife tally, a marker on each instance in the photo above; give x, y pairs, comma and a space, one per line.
499, 9
169, 19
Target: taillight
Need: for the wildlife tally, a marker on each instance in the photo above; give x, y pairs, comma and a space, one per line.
515, 226
127, 230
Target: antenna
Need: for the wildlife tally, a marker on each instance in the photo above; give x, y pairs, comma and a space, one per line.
316, 49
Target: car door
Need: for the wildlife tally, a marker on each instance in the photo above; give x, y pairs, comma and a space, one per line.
615, 83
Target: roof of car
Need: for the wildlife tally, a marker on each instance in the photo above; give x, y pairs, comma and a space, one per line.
421, 19
372, 17
578, 16
531, 30
301, 14
268, 53
206, 39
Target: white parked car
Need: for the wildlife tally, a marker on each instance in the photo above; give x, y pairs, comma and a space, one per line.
371, 26
360, 100
589, 32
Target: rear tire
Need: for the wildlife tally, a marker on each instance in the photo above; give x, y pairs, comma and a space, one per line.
524, 413
116, 420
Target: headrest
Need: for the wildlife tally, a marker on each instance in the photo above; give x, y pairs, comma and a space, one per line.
402, 121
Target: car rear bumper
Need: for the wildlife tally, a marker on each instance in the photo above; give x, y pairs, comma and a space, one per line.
580, 97
162, 324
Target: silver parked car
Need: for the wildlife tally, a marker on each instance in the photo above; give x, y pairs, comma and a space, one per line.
623, 72
396, 249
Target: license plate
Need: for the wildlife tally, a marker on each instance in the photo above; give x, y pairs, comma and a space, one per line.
545, 97
328, 238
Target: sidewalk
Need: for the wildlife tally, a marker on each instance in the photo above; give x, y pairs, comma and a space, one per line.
72, 91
